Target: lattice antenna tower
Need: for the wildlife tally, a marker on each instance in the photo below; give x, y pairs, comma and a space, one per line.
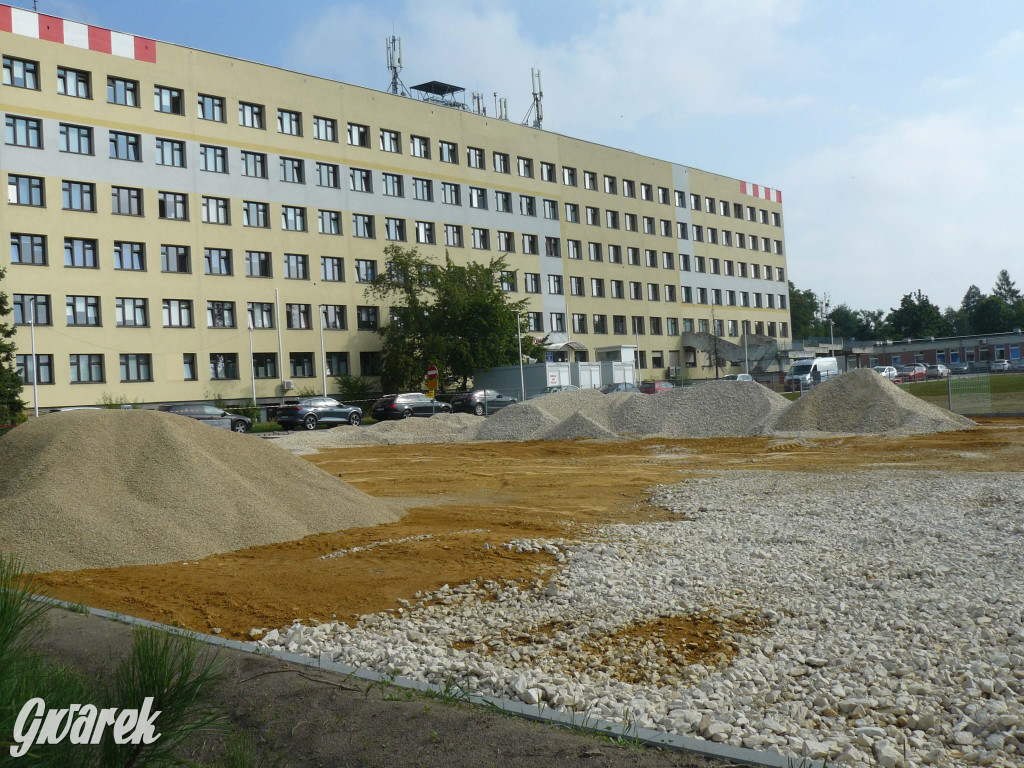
537, 107
394, 46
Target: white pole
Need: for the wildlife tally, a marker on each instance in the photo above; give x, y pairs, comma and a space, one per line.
35, 369
746, 357
519, 338
280, 344
252, 364
323, 355
639, 375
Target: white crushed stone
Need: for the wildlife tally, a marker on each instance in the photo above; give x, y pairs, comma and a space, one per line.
890, 599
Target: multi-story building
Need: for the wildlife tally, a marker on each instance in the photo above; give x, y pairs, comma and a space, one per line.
186, 207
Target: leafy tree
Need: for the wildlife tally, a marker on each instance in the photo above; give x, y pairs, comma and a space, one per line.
916, 317
803, 312
968, 307
846, 322
11, 404
456, 317
992, 315
1005, 290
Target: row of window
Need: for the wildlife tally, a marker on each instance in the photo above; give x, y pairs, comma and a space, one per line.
31, 249
90, 368
132, 312
171, 100
640, 325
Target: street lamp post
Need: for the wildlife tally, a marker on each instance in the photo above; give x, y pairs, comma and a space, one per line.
323, 355
746, 357
35, 368
252, 363
519, 338
831, 338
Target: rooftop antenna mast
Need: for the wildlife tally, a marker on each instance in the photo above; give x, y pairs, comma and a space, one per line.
537, 107
394, 46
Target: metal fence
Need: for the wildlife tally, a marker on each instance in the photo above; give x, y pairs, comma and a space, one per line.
974, 394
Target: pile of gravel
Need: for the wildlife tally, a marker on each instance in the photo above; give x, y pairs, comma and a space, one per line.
862, 402
711, 409
105, 488
857, 402
442, 428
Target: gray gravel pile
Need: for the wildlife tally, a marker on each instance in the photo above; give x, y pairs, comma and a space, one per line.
442, 428
518, 422
888, 603
711, 409
862, 402
94, 489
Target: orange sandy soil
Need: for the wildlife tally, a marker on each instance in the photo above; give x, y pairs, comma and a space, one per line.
511, 490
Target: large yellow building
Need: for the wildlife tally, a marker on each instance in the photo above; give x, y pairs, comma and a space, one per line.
184, 206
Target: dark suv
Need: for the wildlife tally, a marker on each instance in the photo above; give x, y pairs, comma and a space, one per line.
407, 404
480, 401
308, 412
202, 412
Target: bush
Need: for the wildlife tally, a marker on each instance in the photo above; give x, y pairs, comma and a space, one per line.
354, 387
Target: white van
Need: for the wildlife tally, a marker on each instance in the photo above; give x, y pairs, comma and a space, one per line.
804, 374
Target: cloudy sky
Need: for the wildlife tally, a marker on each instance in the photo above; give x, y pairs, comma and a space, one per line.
895, 130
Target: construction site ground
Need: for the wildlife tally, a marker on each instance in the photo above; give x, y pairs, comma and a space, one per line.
461, 496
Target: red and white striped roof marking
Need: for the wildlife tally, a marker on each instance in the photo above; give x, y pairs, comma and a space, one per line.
42, 27
765, 193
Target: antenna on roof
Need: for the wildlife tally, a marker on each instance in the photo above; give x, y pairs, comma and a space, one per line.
394, 46
478, 104
537, 107
500, 107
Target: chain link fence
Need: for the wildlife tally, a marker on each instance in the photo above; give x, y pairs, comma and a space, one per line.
974, 394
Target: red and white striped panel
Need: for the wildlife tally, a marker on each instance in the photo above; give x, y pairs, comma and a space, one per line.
42, 27
765, 193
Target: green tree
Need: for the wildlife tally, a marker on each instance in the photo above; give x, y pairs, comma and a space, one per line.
1005, 290
968, 308
803, 312
992, 315
846, 322
11, 404
456, 317
915, 317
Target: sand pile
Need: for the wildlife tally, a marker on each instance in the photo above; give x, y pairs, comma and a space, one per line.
862, 402
88, 489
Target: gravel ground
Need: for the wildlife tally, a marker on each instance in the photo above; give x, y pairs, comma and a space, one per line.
97, 489
882, 614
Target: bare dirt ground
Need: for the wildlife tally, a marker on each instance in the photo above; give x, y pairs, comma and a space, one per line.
465, 495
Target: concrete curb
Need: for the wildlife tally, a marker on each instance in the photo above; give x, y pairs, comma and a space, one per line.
644, 736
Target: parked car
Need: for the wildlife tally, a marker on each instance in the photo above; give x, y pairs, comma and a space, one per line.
480, 401
738, 377
999, 366
938, 371
958, 369
406, 405
1017, 365
619, 386
913, 372
654, 387
202, 412
886, 372
310, 412
977, 366
554, 388
809, 371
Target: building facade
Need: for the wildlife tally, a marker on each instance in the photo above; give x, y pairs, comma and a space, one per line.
185, 207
